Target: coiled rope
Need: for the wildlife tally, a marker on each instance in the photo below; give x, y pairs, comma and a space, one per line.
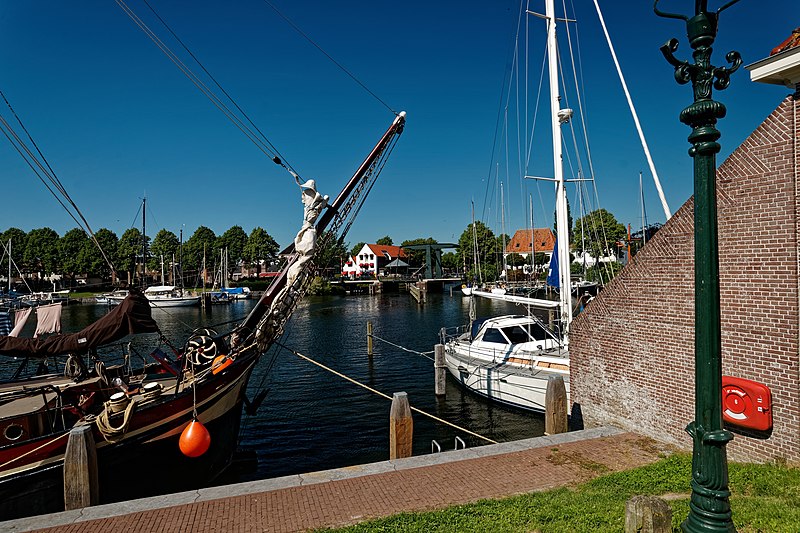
382, 395
109, 432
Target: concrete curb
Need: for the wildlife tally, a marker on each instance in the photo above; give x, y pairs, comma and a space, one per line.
267, 485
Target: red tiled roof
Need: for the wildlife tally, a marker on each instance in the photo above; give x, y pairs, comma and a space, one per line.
520, 243
792, 42
393, 251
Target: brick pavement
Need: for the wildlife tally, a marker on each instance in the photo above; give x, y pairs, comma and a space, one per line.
346, 496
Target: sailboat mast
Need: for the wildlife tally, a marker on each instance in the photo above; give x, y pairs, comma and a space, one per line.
644, 217
143, 279
562, 228
9, 266
503, 229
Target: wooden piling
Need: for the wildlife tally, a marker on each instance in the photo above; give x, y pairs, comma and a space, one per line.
555, 406
440, 370
401, 427
647, 514
80, 470
369, 338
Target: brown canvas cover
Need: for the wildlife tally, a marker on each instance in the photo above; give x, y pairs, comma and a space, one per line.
130, 317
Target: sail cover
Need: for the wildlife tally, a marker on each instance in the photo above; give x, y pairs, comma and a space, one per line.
552, 274
130, 317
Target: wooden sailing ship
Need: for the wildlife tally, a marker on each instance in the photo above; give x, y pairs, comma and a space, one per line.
137, 415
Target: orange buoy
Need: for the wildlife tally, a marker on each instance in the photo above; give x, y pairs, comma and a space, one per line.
195, 439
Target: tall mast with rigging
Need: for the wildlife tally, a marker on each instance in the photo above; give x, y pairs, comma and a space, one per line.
559, 117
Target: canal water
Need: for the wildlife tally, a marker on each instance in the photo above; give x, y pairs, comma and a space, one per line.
313, 420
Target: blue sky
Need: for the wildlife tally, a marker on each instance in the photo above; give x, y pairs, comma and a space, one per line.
117, 120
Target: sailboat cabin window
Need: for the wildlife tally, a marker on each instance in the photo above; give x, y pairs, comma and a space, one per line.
494, 335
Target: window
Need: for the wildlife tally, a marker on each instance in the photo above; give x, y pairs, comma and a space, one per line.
494, 335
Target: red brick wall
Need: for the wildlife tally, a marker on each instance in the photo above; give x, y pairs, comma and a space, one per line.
632, 350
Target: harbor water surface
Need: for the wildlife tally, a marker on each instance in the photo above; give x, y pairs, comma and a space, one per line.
313, 420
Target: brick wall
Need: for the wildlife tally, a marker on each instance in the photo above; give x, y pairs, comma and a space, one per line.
632, 350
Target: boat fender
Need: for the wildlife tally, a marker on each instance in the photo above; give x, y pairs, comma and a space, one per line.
220, 363
195, 439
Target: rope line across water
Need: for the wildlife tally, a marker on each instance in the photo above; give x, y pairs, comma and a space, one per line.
423, 354
381, 394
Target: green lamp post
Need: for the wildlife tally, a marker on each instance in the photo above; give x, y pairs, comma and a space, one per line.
710, 509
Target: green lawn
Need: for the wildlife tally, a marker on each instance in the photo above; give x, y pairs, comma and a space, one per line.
766, 498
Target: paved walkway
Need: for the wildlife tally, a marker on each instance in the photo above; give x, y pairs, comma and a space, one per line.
349, 495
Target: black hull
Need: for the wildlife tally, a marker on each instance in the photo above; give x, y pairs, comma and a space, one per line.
132, 469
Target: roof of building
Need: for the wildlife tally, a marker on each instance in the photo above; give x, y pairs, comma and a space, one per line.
792, 41
390, 252
520, 243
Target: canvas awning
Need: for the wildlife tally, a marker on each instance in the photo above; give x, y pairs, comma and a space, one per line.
397, 263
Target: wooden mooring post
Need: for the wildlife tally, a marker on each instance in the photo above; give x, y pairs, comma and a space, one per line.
440, 370
369, 338
401, 427
647, 514
555, 406
80, 470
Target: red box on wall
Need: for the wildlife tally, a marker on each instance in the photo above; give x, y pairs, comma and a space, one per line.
746, 404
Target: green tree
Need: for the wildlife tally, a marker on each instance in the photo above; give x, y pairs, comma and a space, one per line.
18, 239
598, 233
201, 242
487, 246
450, 261
165, 244
328, 259
129, 247
357, 248
384, 241
41, 251
417, 257
96, 264
514, 259
260, 245
73, 250
235, 240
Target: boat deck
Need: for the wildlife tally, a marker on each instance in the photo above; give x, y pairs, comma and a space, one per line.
349, 495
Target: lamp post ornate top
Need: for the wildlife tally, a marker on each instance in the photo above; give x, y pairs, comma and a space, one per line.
709, 506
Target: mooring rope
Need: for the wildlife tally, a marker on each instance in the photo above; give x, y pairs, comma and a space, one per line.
381, 394
48, 443
409, 350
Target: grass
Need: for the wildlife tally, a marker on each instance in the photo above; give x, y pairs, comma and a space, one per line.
765, 498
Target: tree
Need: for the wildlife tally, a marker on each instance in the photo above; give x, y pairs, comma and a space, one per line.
450, 261
487, 245
384, 241
96, 264
201, 242
165, 244
73, 253
357, 248
41, 251
331, 253
18, 239
235, 239
598, 233
260, 245
129, 247
514, 259
417, 257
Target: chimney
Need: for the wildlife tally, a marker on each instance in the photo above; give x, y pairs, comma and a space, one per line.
782, 67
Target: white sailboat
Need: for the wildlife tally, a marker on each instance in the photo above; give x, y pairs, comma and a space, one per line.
509, 359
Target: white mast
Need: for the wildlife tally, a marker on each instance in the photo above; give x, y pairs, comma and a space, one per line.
9, 266
559, 117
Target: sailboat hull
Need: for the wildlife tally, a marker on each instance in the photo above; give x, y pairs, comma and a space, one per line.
145, 462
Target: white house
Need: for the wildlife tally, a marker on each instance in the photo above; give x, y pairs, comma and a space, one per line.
369, 260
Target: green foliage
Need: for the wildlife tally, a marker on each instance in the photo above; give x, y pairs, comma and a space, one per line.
598, 233
73, 250
514, 259
235, 240
199, 244
487, 248
450, 261
41, 251
331, 254
128, 248
357, 248
385, 241
96, 264
417, 257
764, 498
165, 244
260, 245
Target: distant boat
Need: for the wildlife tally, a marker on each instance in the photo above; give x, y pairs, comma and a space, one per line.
169, 296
